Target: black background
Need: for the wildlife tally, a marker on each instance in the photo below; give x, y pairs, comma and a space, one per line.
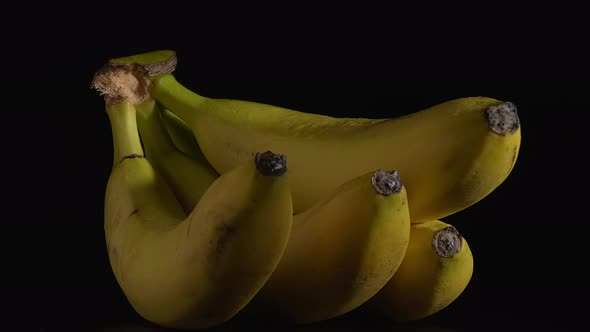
527, 236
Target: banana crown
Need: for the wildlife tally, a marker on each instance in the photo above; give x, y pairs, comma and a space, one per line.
122, 81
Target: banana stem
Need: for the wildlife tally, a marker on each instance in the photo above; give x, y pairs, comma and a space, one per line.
124, 130
117, 82
155, 63
155, 139
178, 99
123, 85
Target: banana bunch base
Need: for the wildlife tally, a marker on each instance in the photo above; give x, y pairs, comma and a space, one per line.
219, 207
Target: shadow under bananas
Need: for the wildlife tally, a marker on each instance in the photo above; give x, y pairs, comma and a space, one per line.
353, 321
409, 327
350, 322
418, 326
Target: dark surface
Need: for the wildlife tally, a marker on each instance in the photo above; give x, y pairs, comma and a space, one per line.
528, 236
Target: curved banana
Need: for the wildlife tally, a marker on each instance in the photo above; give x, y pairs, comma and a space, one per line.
451, 155
199, 270
436, 269
188, 177
340, 252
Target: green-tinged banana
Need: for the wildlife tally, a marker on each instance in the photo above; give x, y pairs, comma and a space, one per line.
155, 63
196, 270
340, 252
436, 269
451, 155
188, 177
182, 136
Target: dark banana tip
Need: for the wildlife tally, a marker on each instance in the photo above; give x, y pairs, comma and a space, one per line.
447, 242
271, 164
503, 118
386, 182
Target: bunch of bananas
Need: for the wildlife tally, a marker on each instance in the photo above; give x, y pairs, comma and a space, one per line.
218, 206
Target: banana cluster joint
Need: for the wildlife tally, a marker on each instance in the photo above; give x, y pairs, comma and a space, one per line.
120, 82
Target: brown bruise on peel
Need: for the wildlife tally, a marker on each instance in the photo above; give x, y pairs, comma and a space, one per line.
225, 232
131, 156
122, 81
271, 164
386, 182
447, 242
502, 118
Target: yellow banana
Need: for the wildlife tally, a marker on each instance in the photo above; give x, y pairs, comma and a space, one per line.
436, 269
451, 155
188, 177
341, 251
363, 227
196, 270
169, 143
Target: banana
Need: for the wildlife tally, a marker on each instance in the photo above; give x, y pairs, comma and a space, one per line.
451, 155
189, 177
196, 270
363, 227
340, 252
436, 269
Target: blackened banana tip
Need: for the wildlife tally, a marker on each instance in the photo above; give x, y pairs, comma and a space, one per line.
447, 242
503, 118
271, 164
386, 182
